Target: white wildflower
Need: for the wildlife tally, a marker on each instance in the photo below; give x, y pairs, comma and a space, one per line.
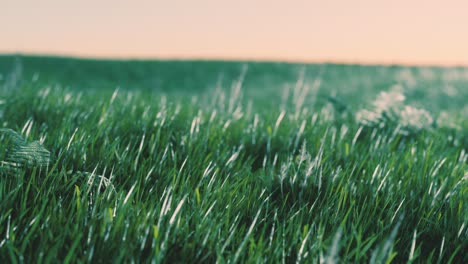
388, 101
415, 119
389, 110
367, 117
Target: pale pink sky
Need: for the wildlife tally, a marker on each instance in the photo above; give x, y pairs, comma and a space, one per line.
366, 31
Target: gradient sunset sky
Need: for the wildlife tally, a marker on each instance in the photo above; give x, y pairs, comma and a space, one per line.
357, 31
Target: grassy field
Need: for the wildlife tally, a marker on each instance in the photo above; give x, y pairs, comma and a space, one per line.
231, 162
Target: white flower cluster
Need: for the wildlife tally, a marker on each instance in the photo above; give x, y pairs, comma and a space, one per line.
415, 119
389, 110
389, 101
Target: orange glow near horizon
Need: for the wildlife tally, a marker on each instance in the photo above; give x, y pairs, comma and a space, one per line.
360, 31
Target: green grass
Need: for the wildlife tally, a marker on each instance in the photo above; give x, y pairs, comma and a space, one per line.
197, 161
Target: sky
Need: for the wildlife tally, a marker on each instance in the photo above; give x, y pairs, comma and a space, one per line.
350, 31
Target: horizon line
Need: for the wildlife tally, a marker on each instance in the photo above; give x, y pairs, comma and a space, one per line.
237, 59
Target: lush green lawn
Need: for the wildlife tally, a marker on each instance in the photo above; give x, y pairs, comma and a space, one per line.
234, 162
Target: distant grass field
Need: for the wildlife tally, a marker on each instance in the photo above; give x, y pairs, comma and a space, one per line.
232, 162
